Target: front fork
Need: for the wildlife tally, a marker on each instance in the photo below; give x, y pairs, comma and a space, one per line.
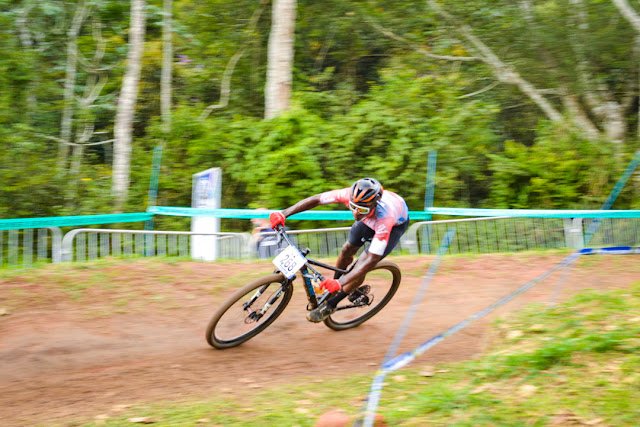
257, 315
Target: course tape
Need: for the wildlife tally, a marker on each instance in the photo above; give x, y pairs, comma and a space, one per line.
407, 357
403, 359
615, 250
252, 213
595, 224
593, 227
408, 318
64, 221
414, 215
537, 213
376, 386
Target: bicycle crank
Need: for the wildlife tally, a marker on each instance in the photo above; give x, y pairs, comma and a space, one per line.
361, 296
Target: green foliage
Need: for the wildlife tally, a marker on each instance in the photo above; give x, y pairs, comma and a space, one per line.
325, 142
364, 104
28, 176
561, 170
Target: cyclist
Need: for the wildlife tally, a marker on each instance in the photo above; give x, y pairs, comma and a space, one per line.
381, 217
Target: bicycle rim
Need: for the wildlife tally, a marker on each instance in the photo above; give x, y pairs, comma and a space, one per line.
383, 281
239, 319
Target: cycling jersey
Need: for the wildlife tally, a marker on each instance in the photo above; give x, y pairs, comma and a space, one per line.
391, 211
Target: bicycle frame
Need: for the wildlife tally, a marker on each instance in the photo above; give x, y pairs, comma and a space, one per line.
307, 272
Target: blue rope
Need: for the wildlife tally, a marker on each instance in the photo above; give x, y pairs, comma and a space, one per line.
376, 386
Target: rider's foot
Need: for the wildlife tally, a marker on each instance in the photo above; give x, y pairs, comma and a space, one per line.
320, 313
361, 291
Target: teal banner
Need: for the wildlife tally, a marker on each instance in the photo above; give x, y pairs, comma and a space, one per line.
72, 221
251, 213
537, 213
413, 215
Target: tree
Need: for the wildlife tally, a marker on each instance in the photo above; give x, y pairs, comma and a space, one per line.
126, 106
167, 61
280, 58
570, 59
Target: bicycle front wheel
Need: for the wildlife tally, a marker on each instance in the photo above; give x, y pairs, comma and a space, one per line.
249, 311
382, 283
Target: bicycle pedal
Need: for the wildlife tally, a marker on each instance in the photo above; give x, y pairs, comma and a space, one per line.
362, 291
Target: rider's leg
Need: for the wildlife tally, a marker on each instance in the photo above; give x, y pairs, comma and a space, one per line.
346, 257
349, 249
357, 236
344, 260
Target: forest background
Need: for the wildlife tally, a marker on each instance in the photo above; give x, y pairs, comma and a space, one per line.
528, 103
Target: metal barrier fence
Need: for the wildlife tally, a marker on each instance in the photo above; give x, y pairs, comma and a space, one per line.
496, 234
91, 243
500, 234
25, 247
488, 235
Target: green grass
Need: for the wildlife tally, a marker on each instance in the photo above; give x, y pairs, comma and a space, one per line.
574, 364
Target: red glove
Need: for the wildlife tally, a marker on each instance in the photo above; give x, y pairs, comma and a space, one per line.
276, 218
332, 285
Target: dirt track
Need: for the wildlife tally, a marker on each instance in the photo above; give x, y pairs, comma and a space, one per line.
136, 332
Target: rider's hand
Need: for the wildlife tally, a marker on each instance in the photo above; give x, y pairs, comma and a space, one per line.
332, 285
276, 218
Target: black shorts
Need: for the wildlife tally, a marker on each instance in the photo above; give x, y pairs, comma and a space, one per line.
360, 233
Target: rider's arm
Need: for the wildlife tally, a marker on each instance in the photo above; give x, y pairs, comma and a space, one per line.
302, 205
364, 265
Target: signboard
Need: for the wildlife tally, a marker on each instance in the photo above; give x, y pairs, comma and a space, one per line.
206, 193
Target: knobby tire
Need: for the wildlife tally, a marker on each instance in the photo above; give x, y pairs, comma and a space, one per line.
336, 325
273, 282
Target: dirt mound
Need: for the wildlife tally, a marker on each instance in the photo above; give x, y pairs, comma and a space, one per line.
79, 341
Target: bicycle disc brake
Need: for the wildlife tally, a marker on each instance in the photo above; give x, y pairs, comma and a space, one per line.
254, 316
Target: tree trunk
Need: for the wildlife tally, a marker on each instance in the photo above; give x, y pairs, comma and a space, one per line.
627, 11
167, 62
66, 125
503, 71
598, 97
280, 58
126, 106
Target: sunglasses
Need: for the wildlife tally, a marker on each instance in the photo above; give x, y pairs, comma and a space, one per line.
359, 209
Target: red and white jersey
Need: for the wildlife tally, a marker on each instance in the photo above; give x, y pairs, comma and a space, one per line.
391, 210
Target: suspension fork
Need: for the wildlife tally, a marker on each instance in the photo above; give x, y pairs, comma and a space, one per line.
247, 305
273, 299
261, 312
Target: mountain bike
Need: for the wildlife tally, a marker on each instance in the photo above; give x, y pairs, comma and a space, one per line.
252, 308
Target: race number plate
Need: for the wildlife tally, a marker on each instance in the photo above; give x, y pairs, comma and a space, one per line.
289, 261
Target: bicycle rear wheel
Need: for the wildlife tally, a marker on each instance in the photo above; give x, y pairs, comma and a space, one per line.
249, 311
383, 282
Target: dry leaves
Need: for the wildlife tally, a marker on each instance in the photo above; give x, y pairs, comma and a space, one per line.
141, 420
527, 390
512, 335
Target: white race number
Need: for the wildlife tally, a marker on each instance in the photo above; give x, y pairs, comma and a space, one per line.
289, 261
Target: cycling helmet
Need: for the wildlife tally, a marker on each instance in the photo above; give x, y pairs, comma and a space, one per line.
366, 192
